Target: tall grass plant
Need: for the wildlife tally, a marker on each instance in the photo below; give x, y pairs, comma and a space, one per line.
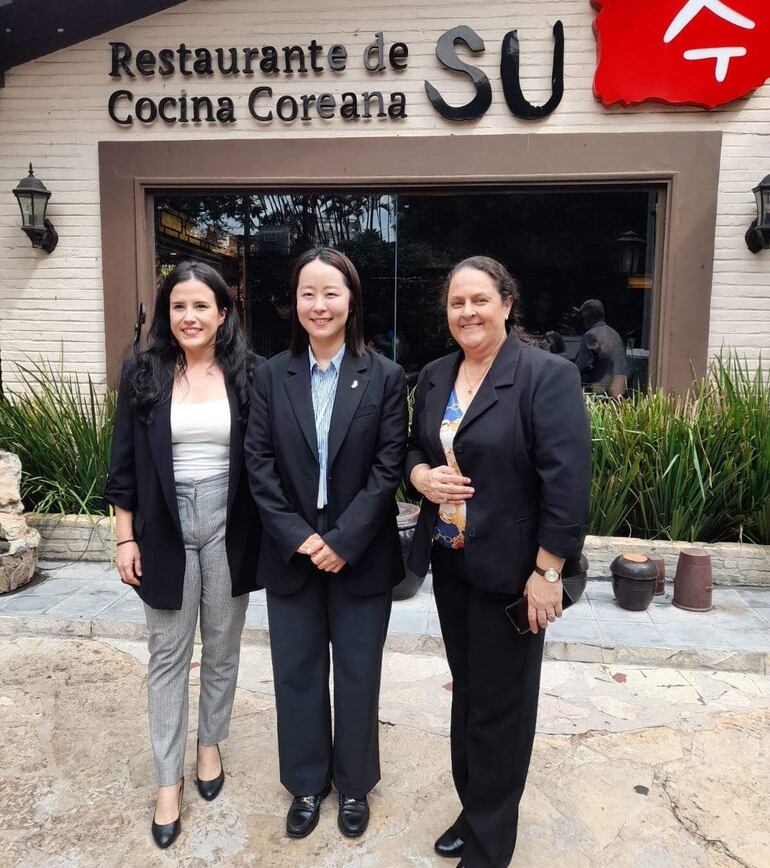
690, 467
60, 426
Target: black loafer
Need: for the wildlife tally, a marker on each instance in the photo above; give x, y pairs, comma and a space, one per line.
209, 790
449, 844
164, 834
303, 813
353, 816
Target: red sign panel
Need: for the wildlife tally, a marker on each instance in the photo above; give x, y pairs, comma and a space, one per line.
696, 52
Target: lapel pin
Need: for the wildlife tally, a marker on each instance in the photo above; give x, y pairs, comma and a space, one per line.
354, 384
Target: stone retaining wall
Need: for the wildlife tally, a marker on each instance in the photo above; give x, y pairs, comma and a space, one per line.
89, 538
73, 537
732, 563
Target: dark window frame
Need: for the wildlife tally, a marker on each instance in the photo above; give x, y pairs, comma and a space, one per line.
436, 193
132, 172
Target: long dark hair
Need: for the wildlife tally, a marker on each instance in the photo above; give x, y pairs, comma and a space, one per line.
153, 373
354, 327
506, 285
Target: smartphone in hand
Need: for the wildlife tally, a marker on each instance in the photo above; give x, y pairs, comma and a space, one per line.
518, 612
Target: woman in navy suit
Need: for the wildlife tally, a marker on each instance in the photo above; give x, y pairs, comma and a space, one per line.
500, 451
325, 449
187, 526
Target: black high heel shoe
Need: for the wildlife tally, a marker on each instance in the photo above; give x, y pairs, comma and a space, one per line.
209, 790
164, 834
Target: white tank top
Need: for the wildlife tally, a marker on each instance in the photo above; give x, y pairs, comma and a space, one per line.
200, 439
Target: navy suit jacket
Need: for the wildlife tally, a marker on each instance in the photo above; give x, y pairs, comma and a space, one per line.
367, 447
525, 444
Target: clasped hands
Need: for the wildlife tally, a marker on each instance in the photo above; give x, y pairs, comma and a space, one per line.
321, 554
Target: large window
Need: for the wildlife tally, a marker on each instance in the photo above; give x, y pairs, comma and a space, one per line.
564, 246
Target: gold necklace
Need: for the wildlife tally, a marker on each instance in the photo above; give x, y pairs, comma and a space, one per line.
471, 386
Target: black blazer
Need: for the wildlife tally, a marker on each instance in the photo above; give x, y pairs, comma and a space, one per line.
367, 446
525, 444
141, 479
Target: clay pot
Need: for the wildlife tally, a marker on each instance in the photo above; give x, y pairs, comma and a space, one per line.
574, 576
692, 582
408, 513
634, 577
660, 566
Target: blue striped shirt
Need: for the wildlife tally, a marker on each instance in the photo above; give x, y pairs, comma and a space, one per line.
323, 387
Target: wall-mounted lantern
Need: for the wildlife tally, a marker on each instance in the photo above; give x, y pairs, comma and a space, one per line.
33, 197
758, 235
630, 250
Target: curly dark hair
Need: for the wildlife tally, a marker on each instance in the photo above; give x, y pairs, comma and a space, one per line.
152, 376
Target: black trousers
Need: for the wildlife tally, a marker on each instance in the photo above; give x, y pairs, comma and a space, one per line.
496, 680
302, 626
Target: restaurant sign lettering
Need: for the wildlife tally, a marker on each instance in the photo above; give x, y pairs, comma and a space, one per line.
311, 62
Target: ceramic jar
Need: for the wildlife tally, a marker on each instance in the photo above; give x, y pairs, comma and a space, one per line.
574, 576
660, 566
692, 582
634, 577
408, 513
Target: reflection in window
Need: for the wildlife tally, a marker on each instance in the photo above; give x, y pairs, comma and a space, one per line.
564, 246
253, 239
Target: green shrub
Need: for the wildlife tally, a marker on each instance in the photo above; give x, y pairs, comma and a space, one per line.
689, 467
61, 428
616, 458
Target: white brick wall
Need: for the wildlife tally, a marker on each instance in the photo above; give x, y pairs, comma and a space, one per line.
53, 112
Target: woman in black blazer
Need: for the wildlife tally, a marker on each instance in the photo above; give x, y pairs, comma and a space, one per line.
187, 528
325, 450
500, 451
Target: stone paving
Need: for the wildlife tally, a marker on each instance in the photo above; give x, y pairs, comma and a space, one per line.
88, 600
633, 767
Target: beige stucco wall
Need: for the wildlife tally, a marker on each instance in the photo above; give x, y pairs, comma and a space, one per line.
53, 111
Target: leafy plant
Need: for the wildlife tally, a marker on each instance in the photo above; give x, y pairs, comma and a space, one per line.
60, 427
616, 459
690, 467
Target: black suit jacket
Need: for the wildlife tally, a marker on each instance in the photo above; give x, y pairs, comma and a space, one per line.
367, 446
525, 444
141, 480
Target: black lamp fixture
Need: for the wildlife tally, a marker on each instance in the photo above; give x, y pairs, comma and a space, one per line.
33, 195
758, 234
630, 249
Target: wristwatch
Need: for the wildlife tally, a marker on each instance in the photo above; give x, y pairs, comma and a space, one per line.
550, 575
